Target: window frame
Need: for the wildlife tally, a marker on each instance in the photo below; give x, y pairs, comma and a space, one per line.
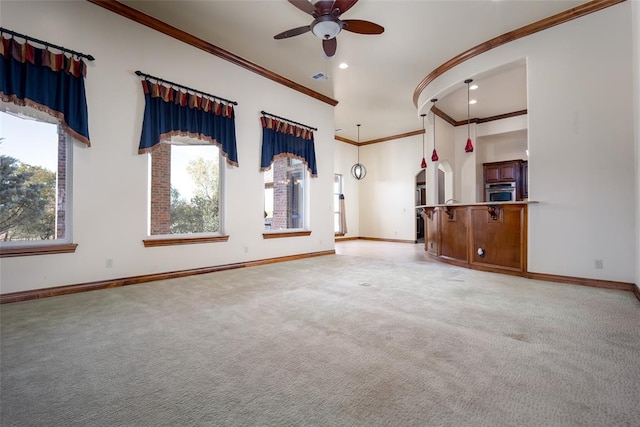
306, 192
170, 239
53, 246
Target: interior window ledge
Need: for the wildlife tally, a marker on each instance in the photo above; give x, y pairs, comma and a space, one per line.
28, 250
281, 234
170, 241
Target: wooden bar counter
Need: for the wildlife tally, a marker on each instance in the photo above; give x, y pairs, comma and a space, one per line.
484, 236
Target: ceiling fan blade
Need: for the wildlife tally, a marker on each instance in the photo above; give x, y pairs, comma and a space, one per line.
330, 46
292, 32
362, 27
304, 6
344, 5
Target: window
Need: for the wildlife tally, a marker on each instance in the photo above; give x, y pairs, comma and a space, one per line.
337, 208
285, 189
186, 195
36, 178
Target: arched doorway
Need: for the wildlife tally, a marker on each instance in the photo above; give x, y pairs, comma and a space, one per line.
420, 199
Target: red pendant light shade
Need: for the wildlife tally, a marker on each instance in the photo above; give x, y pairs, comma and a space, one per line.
434, 155
469, 147
423, 164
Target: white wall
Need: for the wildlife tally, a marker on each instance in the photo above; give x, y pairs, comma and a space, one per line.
502, 147
581, 143
635, 8
110, 178
387, 193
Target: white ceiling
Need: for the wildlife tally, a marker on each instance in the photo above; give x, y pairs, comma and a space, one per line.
384, 70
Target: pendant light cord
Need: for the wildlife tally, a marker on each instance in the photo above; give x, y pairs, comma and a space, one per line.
423, 132
358, 143
433, 108
468, 82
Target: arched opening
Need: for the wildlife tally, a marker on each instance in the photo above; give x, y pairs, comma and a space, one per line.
420, 199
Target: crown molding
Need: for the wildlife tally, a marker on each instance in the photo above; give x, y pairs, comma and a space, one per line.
527, 30
444, 116
153, 23
375, 141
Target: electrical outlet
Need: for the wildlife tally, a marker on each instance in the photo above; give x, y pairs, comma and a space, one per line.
598, 264
108, 263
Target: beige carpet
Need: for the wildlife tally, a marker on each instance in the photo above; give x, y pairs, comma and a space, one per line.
376, 336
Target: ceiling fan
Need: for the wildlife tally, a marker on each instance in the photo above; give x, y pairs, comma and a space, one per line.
327, 25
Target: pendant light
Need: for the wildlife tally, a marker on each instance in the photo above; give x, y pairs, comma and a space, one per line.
423, 165
469, 147
434, 155
358, 170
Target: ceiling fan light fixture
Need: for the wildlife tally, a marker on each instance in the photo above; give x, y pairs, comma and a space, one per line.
326, 28
326, 24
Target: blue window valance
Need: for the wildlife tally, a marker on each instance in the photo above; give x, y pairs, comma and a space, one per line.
47, 81
284, 139
170, 112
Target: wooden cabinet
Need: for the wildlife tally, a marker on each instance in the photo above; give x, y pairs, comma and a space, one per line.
508, 171
524, 179
498, 237
516, 171
431, 235
489, 237
454, 224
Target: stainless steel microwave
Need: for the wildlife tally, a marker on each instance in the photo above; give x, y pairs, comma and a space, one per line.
500, 192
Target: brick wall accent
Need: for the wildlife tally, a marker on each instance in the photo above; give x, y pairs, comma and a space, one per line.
61, 193
161, 189
280, 194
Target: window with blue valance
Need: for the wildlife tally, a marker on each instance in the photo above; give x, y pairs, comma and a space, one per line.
47, 81
170, 112
288, 139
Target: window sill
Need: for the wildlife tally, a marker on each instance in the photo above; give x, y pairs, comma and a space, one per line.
171, 241
281, 234
29, 250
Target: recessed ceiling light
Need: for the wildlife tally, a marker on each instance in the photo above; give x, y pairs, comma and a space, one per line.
343, 66
473, 87
473, 101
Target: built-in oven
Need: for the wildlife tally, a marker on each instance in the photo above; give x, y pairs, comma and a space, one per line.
500, 192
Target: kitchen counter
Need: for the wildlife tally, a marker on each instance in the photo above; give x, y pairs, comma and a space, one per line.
489, 236
528, 202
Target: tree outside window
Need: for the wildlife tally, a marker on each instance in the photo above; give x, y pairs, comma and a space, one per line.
185, 189
34, 190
